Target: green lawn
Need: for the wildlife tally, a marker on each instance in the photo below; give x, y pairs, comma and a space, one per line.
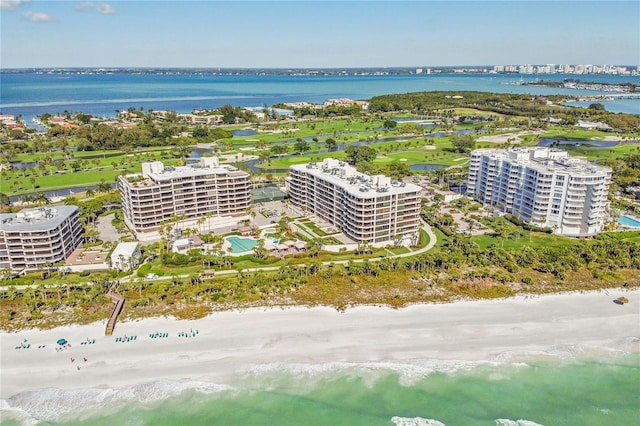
412, 151
16, 182
596, 153
517, 237
575, 134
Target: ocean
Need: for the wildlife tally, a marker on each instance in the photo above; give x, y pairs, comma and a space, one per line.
32, 94
562, 390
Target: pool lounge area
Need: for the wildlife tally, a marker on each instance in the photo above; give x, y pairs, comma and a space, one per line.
627, 221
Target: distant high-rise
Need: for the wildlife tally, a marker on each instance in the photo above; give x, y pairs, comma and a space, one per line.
542, 186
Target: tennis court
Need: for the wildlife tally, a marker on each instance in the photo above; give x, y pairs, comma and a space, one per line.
267, 193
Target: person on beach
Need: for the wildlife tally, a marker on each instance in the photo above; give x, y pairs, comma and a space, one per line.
72, 359
85, 359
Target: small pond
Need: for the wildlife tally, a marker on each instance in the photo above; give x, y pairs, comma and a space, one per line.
597, 144
427, 167
244, 132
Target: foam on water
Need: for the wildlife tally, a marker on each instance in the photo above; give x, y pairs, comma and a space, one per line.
54, 404
408, 372
415, 421
411, 371
424, 392
507, 422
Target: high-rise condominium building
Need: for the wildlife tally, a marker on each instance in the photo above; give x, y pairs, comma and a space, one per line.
40, 237
542, 186
371, 209
161, 193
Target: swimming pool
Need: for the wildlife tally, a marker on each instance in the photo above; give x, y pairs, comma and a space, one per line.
240, 245
629, 222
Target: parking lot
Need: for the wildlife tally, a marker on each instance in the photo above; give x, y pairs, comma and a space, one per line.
272, 211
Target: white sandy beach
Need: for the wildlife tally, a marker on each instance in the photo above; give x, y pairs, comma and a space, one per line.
231, 342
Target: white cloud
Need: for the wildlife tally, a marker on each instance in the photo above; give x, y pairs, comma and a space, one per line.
38, 17
89, 6
85, 6
105, 9
12, 4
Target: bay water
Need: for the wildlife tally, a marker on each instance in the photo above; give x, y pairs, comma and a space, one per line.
31, 94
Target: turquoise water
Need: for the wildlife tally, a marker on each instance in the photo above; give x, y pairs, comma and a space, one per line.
239, 245
585, 392
629, 221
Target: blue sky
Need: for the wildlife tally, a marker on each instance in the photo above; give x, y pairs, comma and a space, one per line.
309, 33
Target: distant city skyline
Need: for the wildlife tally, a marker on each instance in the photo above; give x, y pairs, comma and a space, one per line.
313, 34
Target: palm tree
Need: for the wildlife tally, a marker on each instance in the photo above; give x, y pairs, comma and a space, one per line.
42, 199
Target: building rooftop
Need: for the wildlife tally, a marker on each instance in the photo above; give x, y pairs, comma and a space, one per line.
125, 249
545, 160
157, 171
37, 219
355, 183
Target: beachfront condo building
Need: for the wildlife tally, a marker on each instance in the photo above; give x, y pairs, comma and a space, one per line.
191, 192
542, 186
36, 238
373, 209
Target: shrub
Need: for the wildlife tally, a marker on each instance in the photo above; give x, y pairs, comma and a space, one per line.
85, 273
511, 218
177, 259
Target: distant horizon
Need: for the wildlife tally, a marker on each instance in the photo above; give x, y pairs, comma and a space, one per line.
412, 67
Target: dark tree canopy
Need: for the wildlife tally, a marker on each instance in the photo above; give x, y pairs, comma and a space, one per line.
359, 154
463, 143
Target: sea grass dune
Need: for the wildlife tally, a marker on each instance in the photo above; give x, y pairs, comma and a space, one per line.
153, 359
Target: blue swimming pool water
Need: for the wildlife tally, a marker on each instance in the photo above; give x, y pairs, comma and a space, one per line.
239, 245
629, 221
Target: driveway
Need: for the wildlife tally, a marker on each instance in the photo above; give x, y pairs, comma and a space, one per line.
106, 229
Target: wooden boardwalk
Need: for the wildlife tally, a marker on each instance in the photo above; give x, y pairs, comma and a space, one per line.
119, 304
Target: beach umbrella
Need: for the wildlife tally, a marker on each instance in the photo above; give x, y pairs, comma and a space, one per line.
62, 341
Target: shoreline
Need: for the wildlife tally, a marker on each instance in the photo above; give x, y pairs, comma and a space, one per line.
218, 347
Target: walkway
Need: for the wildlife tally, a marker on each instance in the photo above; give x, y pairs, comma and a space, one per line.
119, 304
